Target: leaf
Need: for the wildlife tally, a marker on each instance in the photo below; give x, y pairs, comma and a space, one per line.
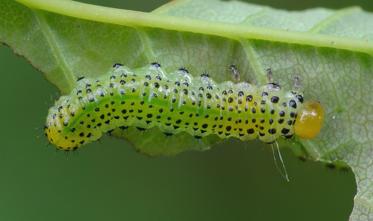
331, 51
153, 141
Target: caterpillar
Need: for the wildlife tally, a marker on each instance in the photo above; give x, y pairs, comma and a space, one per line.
178, 102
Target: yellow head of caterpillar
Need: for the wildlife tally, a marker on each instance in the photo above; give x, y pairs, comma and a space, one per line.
309, 120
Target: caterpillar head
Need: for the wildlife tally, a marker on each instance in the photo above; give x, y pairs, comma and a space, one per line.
309, 120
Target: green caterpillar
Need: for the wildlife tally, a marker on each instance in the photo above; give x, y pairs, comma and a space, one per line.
177, 102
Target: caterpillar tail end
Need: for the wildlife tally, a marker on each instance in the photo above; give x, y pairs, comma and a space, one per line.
57, 133
55, 137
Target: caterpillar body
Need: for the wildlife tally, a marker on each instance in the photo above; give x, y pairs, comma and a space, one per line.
178, 102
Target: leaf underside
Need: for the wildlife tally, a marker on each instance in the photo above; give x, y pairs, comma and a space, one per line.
331, 51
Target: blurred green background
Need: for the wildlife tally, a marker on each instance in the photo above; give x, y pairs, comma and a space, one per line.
108, 180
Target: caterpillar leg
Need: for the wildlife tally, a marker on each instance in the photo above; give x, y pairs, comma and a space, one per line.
269, 75
271, 83
297, 84
235, 73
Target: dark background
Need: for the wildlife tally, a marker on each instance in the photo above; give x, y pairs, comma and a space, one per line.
108, 180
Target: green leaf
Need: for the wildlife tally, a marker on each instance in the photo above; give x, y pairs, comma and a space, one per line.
331, 51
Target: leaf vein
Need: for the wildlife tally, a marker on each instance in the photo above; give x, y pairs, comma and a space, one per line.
255, 15
252, 57
148, 50
328, 21
55, 50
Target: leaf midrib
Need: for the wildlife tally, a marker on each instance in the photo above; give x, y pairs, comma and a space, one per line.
232, 31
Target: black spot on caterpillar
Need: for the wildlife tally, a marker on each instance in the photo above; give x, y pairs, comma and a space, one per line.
178, 102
